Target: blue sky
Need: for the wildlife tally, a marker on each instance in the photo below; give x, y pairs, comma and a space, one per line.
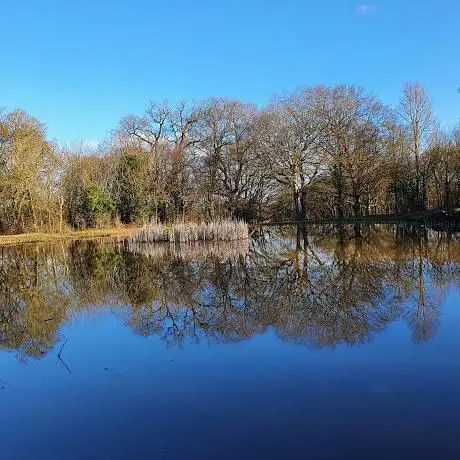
79, 66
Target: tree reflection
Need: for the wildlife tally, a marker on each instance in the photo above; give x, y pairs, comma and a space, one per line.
33, 299
318, 286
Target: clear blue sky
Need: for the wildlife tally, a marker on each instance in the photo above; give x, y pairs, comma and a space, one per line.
79, 66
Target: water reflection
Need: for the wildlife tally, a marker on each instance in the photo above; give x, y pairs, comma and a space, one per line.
322, 287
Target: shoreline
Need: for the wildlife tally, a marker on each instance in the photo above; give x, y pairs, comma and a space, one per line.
422, 217
435, 219
190, 232
43, 237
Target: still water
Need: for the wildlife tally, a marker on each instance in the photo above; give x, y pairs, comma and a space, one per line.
340, 344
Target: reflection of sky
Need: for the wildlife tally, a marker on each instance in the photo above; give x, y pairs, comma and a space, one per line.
131, 397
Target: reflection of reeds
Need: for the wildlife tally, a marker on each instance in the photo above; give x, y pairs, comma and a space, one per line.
224, 230
189, 252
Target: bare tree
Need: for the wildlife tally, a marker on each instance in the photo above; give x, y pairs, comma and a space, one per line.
231, 177
289, 134
416, 113
352, 145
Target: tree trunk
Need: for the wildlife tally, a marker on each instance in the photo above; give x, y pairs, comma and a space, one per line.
340, 202
357, 205
303, 205
297, 204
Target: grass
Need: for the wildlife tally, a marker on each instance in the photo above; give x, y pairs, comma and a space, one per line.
114, 233
224, 230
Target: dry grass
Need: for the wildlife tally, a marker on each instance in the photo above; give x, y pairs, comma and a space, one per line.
225, 230
114, 233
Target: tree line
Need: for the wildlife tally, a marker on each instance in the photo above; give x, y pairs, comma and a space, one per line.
319, 152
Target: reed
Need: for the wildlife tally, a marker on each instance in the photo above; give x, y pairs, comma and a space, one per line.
223, 230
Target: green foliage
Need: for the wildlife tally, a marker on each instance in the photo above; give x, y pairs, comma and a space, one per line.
98, 207
90, 207
132, 185
95, 261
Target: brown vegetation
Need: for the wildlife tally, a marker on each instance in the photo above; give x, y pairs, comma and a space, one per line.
119, 233
223, 230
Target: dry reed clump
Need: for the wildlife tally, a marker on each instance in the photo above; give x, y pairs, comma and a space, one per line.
225, 230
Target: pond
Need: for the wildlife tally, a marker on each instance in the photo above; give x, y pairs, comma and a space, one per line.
337, 343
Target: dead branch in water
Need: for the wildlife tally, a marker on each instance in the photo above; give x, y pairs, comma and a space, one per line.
60, 357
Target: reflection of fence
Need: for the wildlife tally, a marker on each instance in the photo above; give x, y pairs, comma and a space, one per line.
189, 252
